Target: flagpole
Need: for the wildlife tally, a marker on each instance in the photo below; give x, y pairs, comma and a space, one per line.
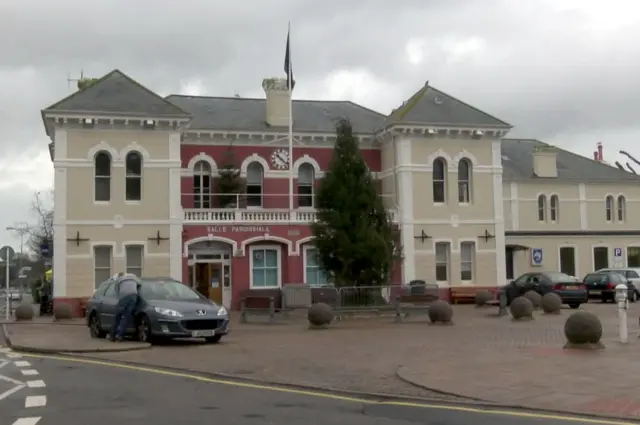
290, 88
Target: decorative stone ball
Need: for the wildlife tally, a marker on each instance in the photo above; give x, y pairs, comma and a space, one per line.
535, 298
583, 327
483, 297
551, 303
320, 314
62, 311
521, 308
440, 312
24, 312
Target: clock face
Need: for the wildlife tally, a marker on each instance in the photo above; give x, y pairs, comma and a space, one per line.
280, 159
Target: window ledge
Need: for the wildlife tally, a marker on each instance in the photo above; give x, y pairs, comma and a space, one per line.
439, 204
102, 203
132, 202
464, 204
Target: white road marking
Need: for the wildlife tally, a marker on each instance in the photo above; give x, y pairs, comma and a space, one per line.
35, 401
5, 349
10, 391
22, 363
29, 372
14, 355
3, 364
36, 384
27, 421
11, 380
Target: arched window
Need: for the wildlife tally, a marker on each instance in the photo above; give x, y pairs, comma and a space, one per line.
202, 185
255, 174
306, 177
102, 177
622, 208
542, 208
608, 205
464, 181
439, 180
554, 204
133, 183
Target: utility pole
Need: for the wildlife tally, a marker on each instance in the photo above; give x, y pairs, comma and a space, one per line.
21, 229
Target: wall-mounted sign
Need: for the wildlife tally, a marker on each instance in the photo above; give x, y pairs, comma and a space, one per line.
617, 257
536, 256
238, 229
215, 283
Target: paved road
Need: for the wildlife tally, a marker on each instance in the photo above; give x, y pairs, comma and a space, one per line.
83, 392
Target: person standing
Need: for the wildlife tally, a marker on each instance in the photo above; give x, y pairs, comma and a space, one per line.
127, 290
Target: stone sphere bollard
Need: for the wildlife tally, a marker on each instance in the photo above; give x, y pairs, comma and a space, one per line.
551, 303
320, 315
440, 312
521, 309
535, 298
24, 312
583, 329
483, 298
62, 311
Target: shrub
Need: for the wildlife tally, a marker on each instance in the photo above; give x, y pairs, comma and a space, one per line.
535, 298
483, 297
551, 303
62, 311
521, 308
320, 315
583, 329
24, 312
440, 312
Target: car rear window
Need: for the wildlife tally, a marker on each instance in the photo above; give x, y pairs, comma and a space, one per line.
596, 278
557, 277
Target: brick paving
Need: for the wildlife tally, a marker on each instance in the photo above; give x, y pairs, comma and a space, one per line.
480, 357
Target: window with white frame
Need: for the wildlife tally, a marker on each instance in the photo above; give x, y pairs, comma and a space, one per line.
464, 181
202, 176
633, 256
255, 175
265, 267
102, 177
313, 273
554, 209
542, 208
102, 258
306, 177
134, 256
467, 257
608, 205
439, 175
133, 183
443, 254
622, 208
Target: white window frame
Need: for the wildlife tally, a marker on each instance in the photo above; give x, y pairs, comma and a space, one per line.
609, 208
143, 250
253, 248
95, 177
443, 181
312, 185
554, 208
95, 268
472, 262
140, 177
541, 208
593, 256
447, 262
466, 184
626, 254
576, 258
305, 257
199, 175
621, 208
246, 185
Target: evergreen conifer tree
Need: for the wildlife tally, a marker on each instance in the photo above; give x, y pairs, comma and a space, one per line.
354, 237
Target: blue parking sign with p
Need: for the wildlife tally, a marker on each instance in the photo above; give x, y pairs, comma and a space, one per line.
617, 252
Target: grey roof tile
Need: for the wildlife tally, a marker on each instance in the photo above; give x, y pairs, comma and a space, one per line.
431, 106
235, 113
118, 94
517, 165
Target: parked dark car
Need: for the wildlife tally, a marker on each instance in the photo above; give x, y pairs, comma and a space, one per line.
571, 291
602, 286
167, 309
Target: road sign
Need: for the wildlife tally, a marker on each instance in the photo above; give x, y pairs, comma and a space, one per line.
45, 251
536, 256
7, 253
617, 252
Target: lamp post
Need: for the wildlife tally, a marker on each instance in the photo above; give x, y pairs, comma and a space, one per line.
21, 229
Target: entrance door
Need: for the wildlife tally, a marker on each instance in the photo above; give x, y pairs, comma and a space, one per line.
215, 290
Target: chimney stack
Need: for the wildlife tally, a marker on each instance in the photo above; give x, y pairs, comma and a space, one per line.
600, 156
595, 155
544, 162
278, 101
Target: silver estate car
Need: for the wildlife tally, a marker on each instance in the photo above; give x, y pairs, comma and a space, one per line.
166, 309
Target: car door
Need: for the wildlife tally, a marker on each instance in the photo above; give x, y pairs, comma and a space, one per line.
95, 302
634, 278
108, 307
541, 284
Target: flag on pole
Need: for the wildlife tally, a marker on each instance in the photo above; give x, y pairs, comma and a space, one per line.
288, 66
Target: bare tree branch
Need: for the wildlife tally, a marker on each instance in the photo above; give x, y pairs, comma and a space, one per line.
42, 232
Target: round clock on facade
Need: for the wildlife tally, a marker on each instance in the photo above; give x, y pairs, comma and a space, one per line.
280, 159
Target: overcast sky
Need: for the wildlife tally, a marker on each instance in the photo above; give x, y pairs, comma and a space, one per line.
564, 71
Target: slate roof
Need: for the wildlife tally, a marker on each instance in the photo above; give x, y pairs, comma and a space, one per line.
235, 113
431, 106
517, 165
118, 94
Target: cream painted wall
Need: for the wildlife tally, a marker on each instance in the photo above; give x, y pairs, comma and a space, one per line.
80, 142
568, 213
596, 210
583, 248
117, 236
484, 268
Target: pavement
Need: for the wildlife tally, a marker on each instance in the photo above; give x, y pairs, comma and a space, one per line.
481, 358
68, 391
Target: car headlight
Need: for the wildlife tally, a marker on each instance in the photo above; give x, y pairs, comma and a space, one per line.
222, 311
168, 312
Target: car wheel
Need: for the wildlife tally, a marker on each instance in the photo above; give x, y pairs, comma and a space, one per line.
574, 305
633, 297
94, 327
143, 330
213, 339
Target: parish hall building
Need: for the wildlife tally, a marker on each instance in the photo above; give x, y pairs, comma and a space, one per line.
135, 190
